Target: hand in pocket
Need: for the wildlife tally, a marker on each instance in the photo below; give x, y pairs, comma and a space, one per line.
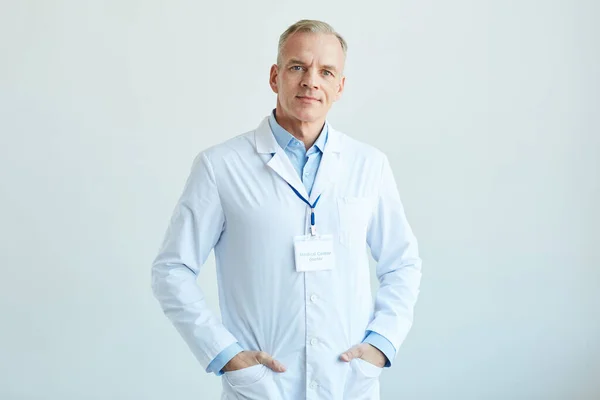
247, 359
365, 352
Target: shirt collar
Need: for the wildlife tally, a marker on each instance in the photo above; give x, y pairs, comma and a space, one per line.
284, 138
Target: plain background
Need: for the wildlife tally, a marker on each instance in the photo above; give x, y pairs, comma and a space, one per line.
489, 113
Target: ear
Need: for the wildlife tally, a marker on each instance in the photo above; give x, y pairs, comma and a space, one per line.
273, 78
340, 88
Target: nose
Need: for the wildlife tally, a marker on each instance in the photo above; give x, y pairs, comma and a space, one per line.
309, 80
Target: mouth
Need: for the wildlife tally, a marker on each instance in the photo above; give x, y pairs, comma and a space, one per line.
307, 99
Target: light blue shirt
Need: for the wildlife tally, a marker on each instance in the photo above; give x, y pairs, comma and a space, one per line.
306, 163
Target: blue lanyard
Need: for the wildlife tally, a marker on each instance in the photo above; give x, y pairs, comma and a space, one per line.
313, 229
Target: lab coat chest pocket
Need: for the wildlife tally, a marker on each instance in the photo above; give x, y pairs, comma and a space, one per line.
354, 214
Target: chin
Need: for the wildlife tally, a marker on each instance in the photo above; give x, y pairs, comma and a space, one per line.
307, 115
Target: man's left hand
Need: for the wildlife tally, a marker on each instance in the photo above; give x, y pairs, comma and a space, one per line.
366, 352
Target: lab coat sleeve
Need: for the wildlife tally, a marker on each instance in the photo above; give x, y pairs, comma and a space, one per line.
394, 248
216, 366
195, 227
381, 343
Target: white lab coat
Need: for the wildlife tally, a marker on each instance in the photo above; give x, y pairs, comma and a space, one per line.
237, 201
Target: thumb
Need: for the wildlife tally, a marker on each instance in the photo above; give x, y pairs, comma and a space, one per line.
354, 352
269, 362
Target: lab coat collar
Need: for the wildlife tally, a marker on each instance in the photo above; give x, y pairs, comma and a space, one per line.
284, 138
267, 144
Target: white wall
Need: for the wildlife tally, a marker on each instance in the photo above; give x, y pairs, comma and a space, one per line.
489, 112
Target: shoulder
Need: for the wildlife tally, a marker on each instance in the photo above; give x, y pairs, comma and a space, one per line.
235, 147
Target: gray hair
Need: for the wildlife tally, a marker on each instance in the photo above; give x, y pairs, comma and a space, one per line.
309, 25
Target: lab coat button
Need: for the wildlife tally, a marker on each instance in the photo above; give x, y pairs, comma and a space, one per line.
313, 385
314, 341
314, 298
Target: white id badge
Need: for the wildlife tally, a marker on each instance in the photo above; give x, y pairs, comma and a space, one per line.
314, 253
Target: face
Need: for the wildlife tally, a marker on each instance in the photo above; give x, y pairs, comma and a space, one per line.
309, 78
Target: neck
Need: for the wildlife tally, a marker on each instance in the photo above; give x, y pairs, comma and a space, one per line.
307, 132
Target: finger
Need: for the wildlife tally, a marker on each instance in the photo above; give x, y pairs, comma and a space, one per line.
277, 366
268, 361
354, 352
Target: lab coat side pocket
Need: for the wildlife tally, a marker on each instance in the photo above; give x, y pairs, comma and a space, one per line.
368, 369
363, 381
252, 383
354, 214
246, 376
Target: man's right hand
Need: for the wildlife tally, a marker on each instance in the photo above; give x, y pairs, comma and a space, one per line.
247, 359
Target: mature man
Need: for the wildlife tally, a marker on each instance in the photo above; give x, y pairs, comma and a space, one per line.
290, 208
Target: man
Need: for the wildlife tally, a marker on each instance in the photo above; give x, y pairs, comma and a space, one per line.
290, 209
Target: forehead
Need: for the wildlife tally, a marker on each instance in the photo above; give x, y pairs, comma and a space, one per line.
324, 48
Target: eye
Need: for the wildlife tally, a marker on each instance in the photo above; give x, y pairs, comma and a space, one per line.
327, 73
296, 68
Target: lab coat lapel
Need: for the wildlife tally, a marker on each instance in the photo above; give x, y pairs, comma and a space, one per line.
329, 167
279, 162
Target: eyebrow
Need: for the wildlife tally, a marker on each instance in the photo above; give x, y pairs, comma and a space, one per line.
296, 61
